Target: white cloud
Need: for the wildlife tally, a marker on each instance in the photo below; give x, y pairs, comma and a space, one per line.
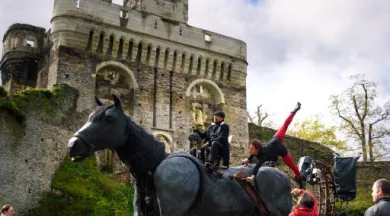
303, 50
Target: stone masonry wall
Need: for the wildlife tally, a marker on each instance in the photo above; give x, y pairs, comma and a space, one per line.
31, 154
161, 105
369, 172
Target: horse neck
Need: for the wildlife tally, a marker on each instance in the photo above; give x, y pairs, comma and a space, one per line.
141, 152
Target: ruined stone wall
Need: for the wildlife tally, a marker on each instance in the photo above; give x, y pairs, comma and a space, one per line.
31, 152
369, 172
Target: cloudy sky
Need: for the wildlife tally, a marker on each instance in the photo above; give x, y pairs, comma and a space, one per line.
302, 50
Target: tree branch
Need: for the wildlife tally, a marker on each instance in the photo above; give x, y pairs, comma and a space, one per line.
356, 108
250, 118
365, 101
382, 117
265, 116
348, 121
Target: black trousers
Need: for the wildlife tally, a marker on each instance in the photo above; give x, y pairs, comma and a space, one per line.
219, 149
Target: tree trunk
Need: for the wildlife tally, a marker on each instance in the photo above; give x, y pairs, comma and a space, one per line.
364, 148
370, 144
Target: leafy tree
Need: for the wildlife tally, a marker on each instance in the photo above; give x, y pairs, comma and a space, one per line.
361, 118
312, 129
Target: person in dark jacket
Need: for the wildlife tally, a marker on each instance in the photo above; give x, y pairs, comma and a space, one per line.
216, 137
381, 197
274, 148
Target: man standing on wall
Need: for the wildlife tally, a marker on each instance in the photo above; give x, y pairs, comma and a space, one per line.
380, 195
216, 137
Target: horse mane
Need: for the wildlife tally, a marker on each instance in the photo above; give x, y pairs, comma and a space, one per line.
142, 153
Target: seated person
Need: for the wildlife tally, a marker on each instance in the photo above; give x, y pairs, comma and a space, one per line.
273, 149
216, 139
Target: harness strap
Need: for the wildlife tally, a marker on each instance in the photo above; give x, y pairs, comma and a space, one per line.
252, 192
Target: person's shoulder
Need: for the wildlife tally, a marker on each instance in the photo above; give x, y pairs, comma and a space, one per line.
223, 124
370, 211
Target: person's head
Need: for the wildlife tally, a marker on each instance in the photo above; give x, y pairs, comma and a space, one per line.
255, 148
219, 116
305, 200
381, 188
8, 210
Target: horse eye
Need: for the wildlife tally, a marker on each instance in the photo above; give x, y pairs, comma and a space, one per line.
110, 118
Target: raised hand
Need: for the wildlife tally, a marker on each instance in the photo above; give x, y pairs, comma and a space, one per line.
249, 179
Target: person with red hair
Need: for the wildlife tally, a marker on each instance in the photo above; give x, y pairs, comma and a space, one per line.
307, 204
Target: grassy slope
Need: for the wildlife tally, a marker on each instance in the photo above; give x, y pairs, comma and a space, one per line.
81, 189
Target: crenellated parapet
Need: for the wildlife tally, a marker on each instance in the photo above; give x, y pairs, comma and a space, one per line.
138, 35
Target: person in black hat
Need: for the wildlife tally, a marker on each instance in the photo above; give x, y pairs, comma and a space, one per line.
216, 137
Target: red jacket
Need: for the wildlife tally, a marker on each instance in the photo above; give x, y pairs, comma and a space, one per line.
304, 211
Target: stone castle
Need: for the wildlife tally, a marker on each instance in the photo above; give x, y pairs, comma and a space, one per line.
168, 74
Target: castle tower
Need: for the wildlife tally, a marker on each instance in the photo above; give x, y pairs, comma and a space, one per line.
22, 53
167, 73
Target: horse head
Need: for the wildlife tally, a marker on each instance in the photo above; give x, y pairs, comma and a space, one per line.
106, 128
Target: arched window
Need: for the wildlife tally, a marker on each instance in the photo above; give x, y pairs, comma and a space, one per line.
157, 57
139, 55
101, 43
148, 54
120, 49
199, 66
111, 45
130, 50
90, 40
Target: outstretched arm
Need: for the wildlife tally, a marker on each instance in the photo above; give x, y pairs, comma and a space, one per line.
282, 130
256, 169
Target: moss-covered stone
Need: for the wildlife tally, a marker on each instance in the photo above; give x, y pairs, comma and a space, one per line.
81, 189
33, 98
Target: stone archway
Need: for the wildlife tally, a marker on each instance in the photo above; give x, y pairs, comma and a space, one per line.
166, 141
204, 98
112, 77
115, 78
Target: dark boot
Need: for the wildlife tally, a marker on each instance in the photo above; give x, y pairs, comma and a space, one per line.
211, 168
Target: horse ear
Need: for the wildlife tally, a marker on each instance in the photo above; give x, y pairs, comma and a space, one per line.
117, 102
98, 101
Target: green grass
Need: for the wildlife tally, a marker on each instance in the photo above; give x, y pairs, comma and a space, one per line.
361, 203
81, 189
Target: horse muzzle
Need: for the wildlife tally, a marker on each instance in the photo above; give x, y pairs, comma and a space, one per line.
78, 149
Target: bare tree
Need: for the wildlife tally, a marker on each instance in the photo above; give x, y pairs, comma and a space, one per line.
260, 116
360, 117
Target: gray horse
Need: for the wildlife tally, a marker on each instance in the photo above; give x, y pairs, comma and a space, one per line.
174, 184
